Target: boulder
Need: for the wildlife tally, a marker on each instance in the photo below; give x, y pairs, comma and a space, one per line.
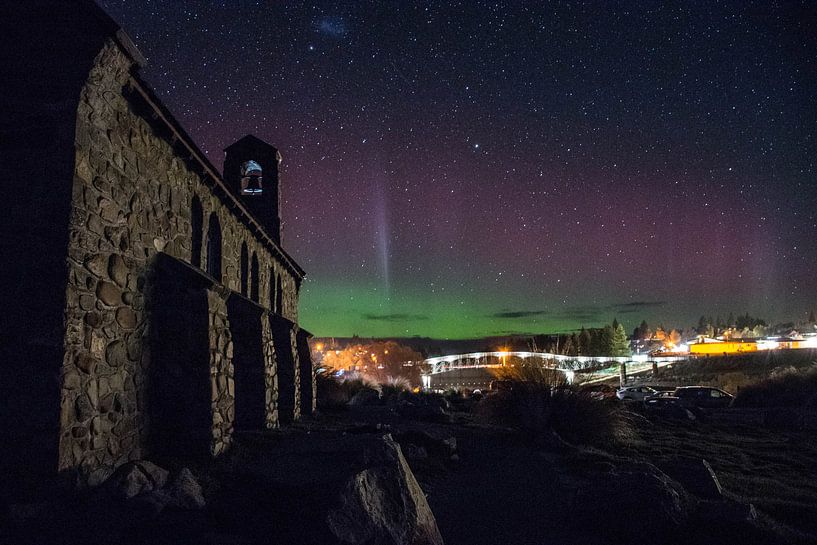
368, 428
384, 504
430, 413
134, 478
185, 492
413, 452
438, 443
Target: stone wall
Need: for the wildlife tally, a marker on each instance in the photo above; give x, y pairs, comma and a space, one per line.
270, 373
296, 362
222, 381
133, 189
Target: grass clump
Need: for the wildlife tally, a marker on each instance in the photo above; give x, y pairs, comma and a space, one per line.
540, 402
335, 392
791, 388
394, 387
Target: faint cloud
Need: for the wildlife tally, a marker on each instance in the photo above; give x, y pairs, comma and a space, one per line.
397, 317
581, 314
511, 314
636, 306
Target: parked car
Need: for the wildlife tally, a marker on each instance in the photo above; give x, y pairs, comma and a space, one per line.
702, 397
635, 393
662, 399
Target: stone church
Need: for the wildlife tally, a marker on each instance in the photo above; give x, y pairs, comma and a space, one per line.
148, 307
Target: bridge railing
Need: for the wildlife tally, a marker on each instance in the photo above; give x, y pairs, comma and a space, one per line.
556, 361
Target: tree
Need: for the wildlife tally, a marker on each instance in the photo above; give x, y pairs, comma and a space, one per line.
599, 342
377, 360
619, 344
574, 345
674, 339
702, 325
568, 348
605, 341
584, 342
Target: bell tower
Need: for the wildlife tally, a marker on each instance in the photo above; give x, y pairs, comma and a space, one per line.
251, 173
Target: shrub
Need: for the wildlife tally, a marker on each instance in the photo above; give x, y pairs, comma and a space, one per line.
786, 388
330, 394
540, 402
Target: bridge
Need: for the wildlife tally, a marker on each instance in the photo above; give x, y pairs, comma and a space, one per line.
473, 369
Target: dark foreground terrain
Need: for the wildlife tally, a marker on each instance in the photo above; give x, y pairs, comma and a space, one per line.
335, 479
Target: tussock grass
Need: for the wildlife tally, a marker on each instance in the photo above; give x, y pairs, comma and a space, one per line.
786, 388
334, 393
540, 402
393, 388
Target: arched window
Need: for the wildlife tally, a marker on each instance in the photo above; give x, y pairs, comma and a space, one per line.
279, 296
214, 247
244, 268
254, 278
252, 181
196, 222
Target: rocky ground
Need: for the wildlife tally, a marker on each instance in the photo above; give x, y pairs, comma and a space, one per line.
373, 474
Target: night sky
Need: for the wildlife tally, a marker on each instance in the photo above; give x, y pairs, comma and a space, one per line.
460, 169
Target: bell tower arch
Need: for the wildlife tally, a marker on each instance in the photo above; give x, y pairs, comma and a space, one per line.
251, 172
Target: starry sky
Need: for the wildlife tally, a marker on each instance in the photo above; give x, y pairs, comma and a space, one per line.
461, 169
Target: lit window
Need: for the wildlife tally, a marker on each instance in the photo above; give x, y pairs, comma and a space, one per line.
251, 179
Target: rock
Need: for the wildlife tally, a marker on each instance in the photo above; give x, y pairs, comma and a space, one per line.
85, 363
185, 492
134, 478
437, 443
83, 408
109, 294
116, 354
118, 270
126, 318
97, 265
413, 452
93, 319
86, 302
384, 504
99, 476
614, 497
79, 432
432, 413
368, 428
